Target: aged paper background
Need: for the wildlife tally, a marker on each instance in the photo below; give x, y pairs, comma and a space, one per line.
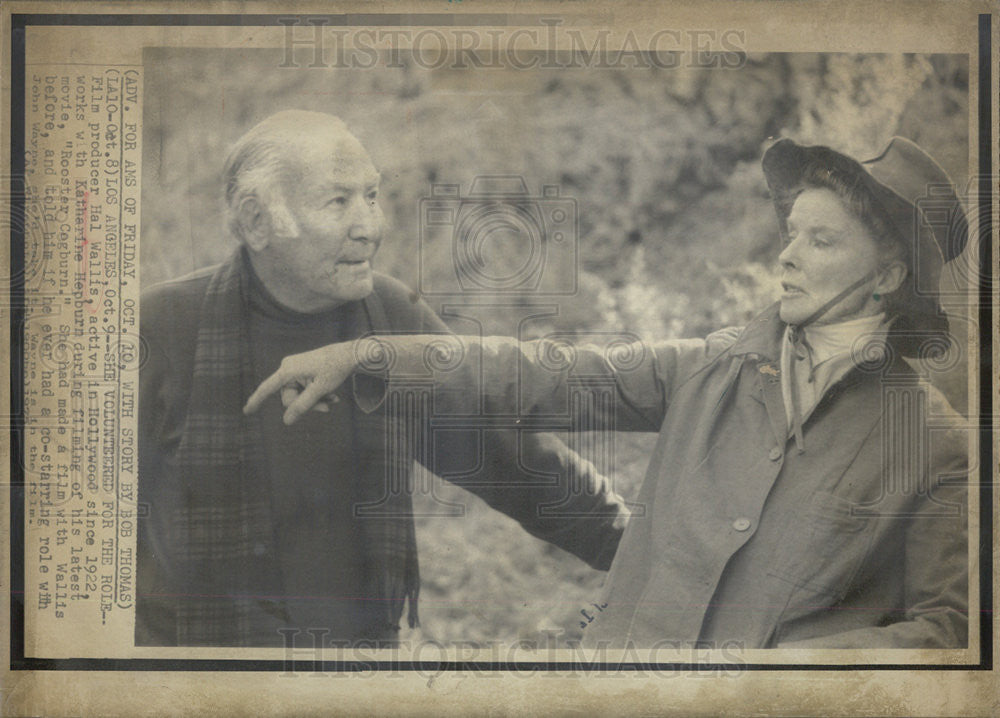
70, 59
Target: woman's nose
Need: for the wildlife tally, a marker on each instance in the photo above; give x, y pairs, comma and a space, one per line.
788, 255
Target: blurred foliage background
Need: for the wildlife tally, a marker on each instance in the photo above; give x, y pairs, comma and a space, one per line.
676, 233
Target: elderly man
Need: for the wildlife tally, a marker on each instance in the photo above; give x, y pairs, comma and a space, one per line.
257, 529
797, 496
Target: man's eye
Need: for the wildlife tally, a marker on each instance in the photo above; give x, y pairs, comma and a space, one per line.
338, 201
373, 195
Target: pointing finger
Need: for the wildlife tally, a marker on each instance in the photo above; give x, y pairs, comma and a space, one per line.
267, 387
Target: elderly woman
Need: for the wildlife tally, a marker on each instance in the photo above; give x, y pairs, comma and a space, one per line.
796, 496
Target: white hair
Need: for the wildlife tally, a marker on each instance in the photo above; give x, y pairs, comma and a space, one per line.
257, 166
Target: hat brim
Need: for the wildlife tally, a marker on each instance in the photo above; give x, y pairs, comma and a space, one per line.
783, 165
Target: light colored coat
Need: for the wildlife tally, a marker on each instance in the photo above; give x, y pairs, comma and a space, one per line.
859, 541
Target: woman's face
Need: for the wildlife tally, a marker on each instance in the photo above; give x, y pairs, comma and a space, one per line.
828, 249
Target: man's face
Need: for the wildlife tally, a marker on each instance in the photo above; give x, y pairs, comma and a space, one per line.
332, 197
828, 249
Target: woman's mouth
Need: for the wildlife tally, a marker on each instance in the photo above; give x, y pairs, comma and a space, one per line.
791, 290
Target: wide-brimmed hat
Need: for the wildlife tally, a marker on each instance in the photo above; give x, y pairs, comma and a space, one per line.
912, 192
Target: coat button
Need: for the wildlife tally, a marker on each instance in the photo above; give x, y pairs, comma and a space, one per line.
774, 454
741, 524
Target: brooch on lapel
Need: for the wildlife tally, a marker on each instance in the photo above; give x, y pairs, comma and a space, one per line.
769, 369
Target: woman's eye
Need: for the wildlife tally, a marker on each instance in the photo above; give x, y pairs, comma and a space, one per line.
338, 201
372, 196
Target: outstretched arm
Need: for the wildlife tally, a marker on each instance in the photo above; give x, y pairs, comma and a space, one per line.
508, 376
501, 376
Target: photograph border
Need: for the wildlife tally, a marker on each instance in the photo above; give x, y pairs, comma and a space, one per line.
19, 23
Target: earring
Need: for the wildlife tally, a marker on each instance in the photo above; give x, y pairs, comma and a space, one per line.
877, 297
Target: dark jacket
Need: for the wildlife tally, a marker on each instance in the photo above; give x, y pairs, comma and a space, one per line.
487, 463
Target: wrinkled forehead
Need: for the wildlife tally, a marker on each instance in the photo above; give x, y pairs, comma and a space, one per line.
329, 157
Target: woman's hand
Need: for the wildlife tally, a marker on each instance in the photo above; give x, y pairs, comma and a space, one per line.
305, 380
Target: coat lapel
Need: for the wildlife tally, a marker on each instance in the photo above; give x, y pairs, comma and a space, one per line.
761, 340
769, 383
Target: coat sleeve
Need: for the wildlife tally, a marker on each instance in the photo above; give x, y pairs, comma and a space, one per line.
155, 616
501, 376
168, 327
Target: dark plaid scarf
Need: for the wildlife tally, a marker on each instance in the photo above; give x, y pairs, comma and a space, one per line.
223, 526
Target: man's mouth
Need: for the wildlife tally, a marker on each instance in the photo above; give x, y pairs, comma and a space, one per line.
353, 262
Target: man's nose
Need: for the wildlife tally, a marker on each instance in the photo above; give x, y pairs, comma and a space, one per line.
366, 221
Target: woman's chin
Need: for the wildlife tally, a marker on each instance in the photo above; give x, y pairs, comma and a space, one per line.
794, 309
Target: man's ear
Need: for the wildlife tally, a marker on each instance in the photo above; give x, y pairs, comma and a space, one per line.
890, 278
254, 222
